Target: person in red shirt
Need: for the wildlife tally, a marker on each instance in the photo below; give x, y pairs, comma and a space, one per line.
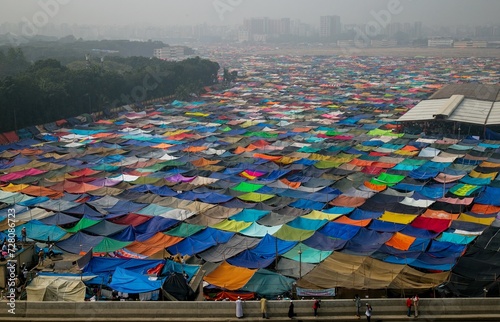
409, 303
316, 306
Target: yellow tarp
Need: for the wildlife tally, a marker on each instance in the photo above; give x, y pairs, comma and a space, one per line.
475, 174
397, 217
319, 215
255, 197
14, 187
481, 221
293, 234
232, 225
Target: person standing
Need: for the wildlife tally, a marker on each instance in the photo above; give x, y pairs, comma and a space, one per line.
41, 257
23, 235
357, 302
416, 300
368, 312
409, 303
316, 306
291, 312
263, 308
239, 308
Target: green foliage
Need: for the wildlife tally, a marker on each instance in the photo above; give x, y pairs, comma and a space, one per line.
47, 91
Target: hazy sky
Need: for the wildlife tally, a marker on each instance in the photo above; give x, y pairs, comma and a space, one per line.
217, 12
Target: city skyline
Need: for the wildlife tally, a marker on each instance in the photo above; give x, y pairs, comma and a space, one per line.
233, 12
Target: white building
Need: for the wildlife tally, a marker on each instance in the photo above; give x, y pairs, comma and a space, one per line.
440, 42
329, 26
470, 44
170, 53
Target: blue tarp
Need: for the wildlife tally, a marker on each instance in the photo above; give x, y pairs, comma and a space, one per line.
249, 215
200, 241
37, 230
263, 254
489, 196
267, 283
59, 219
79, 242
341, 231
155, 225
322, 242
84, 210
307, 224
174, 267
366, 242
128, 234
105, 266
127, 281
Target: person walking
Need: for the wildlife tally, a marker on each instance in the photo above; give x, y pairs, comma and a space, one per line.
291, 312
239, 308
316, 306
263, 308
416, 300
368, 312
357, 302
409, 303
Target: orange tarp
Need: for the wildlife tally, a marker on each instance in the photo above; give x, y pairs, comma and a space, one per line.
439, 214
348, 221
374, 187
195, 149
400, 241
301, 129
162, 146
30, 152
239, 150
153, 245
293, 185
42, 191
485, 209
267, 157
102, 135
345, 201
409, 148
361, 163
230, 277
204, 162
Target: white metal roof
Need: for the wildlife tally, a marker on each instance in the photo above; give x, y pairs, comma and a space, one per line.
494, 117
471, 111
425, 110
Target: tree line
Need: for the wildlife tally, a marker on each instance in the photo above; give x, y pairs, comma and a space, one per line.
46, 90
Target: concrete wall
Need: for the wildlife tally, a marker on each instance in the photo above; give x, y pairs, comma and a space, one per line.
480, 309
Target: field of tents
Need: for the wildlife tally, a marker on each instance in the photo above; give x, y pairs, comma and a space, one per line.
296, 176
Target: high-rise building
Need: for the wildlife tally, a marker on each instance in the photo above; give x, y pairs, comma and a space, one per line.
329, 26
417, 29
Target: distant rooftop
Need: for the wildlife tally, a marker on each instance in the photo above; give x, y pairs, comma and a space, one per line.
463, 103
473, 91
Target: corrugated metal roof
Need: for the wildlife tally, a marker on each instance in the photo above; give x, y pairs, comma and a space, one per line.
494, 117
482, 92
471, 111
450, 106
424, 110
